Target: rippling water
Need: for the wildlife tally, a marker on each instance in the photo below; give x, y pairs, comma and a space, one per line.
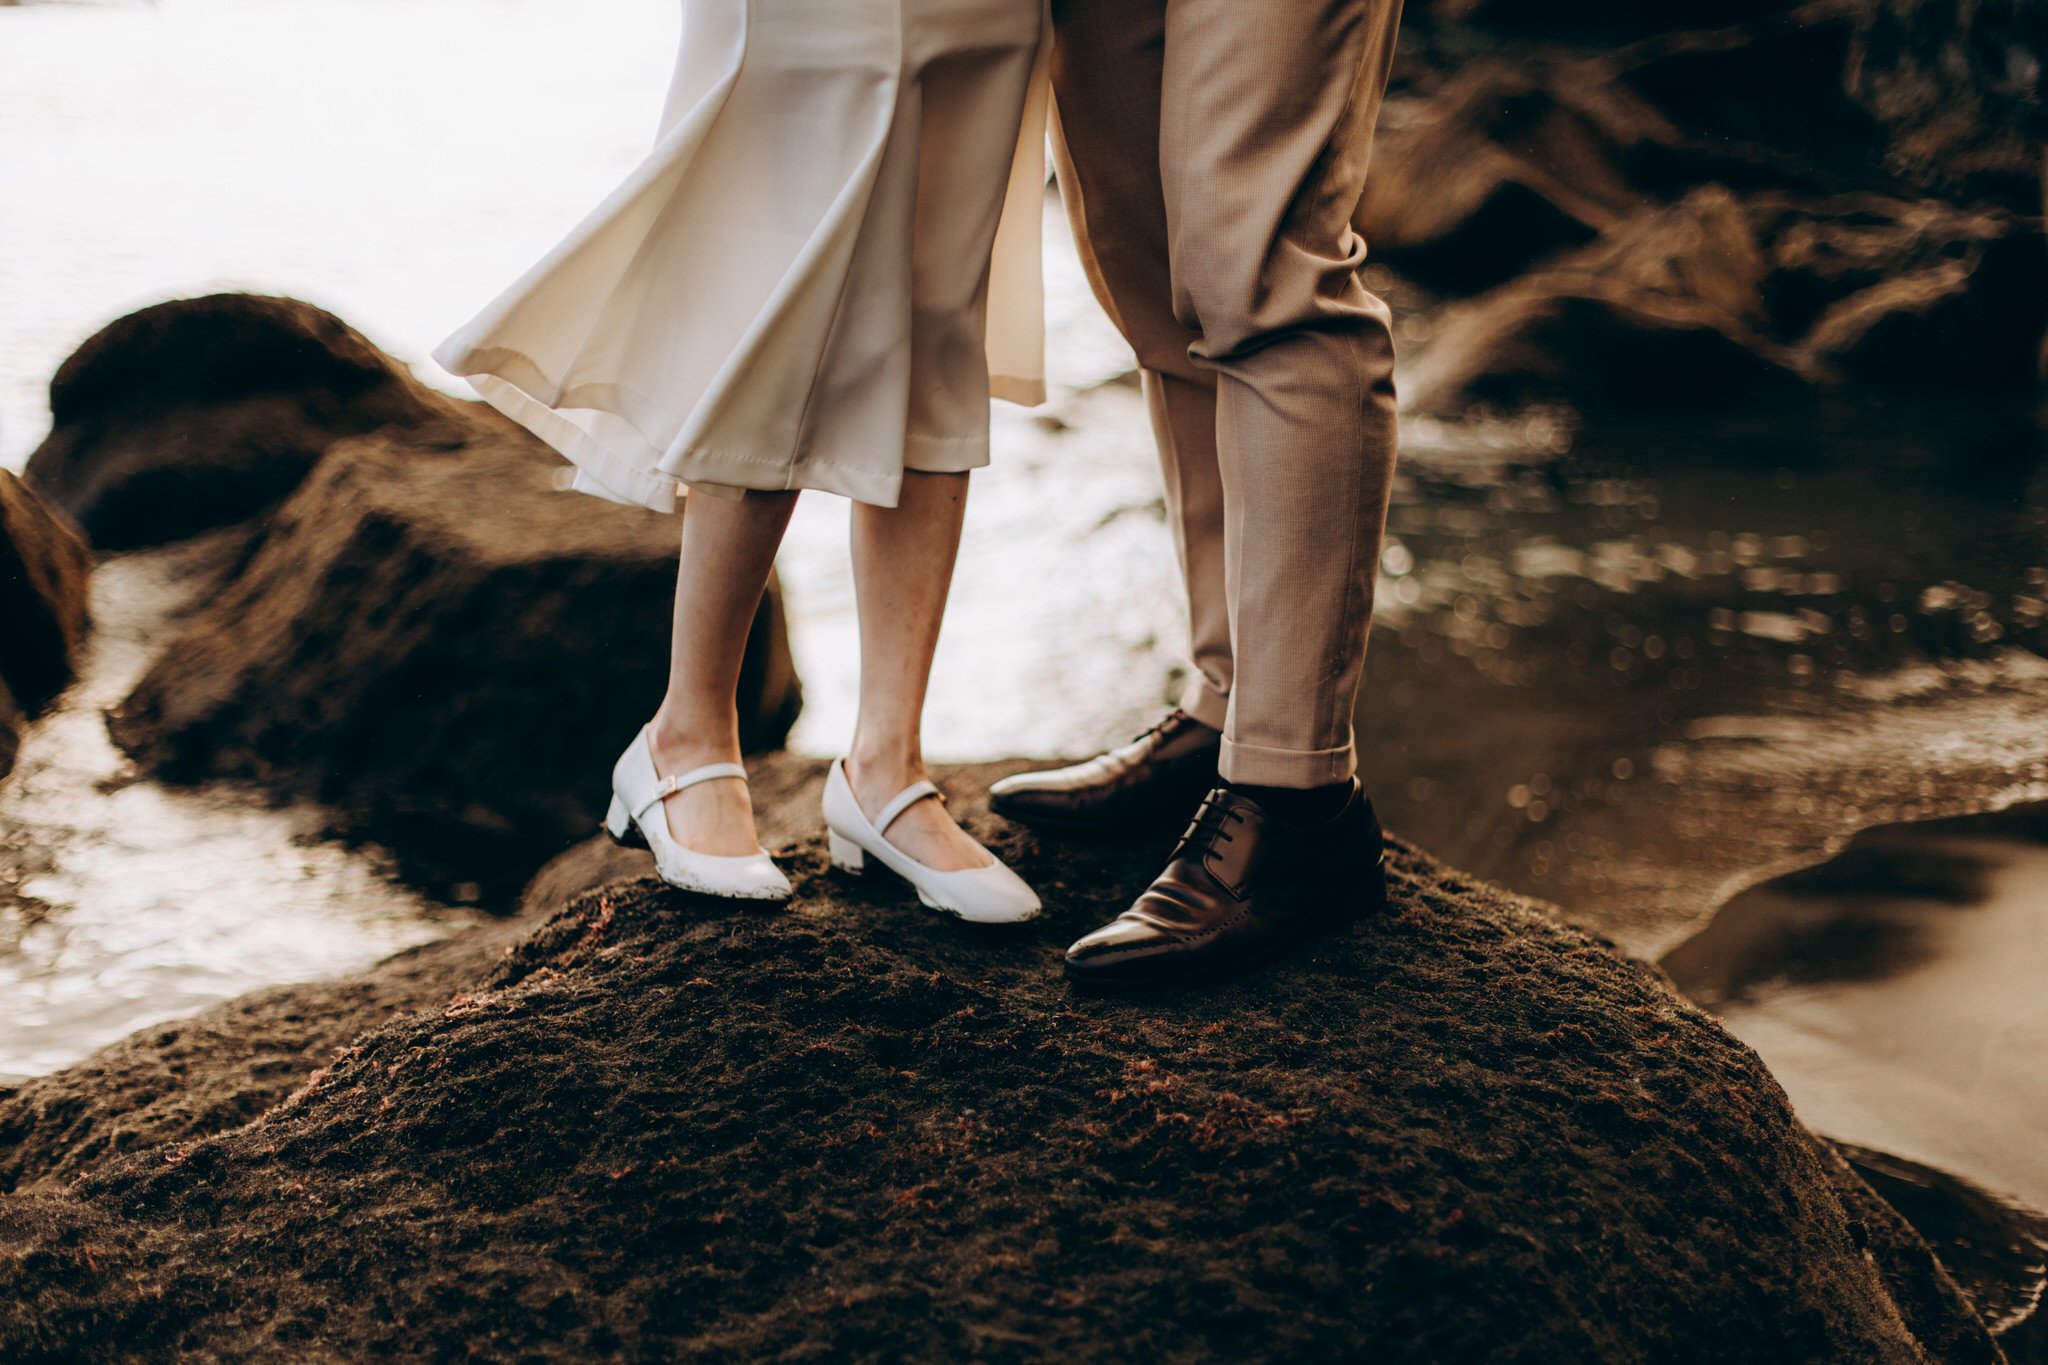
123, 902
1633, 667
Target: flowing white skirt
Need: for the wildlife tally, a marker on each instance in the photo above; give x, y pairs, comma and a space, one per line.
818, 277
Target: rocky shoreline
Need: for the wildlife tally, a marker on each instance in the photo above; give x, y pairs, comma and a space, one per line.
626, 1119
44, 564
634, 1120
370, 638
619, 1119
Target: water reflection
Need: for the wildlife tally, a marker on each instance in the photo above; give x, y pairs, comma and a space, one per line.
1997, 1251
1637, 669
123, 902
1632, 665
1899, 987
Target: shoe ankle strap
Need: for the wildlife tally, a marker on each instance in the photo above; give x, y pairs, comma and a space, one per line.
675, 782
902, 801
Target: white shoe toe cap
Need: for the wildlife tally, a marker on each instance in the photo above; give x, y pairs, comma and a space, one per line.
750, 876
986, 895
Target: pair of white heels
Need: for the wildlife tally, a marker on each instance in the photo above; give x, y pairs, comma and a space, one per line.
990, 894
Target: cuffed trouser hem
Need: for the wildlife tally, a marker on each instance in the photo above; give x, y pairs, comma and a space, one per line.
1266, 767
1205, 703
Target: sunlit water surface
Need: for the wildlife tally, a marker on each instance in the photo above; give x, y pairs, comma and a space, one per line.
123, 902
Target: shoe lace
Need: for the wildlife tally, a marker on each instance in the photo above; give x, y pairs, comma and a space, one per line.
1210, 825
1172, 720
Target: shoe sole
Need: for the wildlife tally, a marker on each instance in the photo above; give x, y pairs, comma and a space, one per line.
632, 837
855, 861
1216, 970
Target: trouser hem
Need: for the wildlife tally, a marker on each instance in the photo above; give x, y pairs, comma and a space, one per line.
1263, 766
1205, 703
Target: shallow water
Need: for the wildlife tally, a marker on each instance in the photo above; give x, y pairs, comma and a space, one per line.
1882, 981
1640, 675
124, 902
1632, 667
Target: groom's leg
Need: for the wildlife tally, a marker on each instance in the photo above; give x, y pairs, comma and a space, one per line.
1265, 123
1184, 427
1267, 117
1108, 74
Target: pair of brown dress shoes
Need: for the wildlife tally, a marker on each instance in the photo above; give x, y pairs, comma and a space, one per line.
1241, 886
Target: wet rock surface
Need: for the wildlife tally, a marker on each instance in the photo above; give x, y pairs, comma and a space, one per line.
44, 565
1730, 298
414, 586
426, 590
1998, 1249
204, 412
1715, 201
656, 1124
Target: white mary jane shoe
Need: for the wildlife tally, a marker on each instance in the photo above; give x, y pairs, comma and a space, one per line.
638, 789
991, 894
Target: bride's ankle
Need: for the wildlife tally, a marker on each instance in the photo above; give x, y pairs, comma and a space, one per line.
881, 773
683, 744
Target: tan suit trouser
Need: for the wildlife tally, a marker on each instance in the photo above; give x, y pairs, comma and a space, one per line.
1211, 154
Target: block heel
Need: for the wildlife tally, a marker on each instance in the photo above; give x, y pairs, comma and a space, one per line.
618, 823
847, 856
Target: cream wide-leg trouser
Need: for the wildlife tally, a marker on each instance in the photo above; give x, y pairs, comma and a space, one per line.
1211, 154
817, 277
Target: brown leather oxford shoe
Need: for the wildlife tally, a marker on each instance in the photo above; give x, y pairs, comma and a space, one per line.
1241, 887
1156, 779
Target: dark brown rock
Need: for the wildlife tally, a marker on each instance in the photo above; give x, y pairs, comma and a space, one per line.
201, 412
1961, 302
1495, 151
1960, 87
12, 722
435, 639
1724, 297
1504, 165
1989, 1244
1768, 95
218, 1069
1670, 307
667, 1126
1887, 152
222, 1067
45, 569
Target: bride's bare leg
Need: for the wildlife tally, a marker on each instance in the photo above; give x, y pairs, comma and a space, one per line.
902, 567
727, 551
